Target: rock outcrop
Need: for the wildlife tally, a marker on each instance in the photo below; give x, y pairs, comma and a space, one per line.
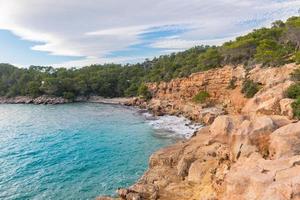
59, 100
237, 157
176, 97
249, 150
30, 100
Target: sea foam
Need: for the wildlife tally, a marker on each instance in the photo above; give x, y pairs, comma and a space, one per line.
172, 126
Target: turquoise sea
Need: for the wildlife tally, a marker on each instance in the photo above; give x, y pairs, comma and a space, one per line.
74, 151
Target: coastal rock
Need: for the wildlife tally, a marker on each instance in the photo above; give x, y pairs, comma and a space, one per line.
199, 169
105, 198
270, 76
253, 153
16, 100
266, 101
223, 126
286, 107
49, 100
176, 97
254, 178
208, 115
237, 157
285, 141
28, 100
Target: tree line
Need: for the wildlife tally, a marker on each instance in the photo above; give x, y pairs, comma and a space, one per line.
274, 46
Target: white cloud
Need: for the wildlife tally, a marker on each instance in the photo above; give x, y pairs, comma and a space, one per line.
95, 28
94, 60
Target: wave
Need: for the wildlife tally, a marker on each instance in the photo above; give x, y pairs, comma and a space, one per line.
172, 126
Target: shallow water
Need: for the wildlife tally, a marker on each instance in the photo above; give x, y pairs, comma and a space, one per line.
74, 151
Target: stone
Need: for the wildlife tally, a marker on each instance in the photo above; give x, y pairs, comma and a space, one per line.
122, 192
199, 169
286, 107
133, 196
208, 115
221, 128
285, 141
256, 178
104, 198
266, 101
183, 166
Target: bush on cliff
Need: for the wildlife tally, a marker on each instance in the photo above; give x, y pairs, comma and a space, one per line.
293, 91
296, 108
210, 59
144, 92
232, 84
250, 88
33, 89
296, 75
201, 97
269, 52
69, 95
297, 57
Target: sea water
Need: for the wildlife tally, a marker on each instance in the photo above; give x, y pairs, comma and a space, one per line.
73, 151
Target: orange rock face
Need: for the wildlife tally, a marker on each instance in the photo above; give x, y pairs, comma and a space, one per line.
176, 97
253, 153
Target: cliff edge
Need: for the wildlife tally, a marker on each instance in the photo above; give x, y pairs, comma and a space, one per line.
249, 150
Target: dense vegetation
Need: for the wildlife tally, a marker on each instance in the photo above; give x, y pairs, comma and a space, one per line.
273, 46
201, 97
293, 92
250, 88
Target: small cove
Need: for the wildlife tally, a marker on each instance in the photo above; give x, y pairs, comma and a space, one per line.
73, 151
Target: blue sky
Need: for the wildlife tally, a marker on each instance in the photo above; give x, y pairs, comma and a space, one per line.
75, 33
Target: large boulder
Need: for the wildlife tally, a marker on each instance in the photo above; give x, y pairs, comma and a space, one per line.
285, 141
253, 178
199, 169
286, 107
223, 126
208, 115
252, 135
266, 101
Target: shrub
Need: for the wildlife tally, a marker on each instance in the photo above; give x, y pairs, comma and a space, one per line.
250, 88
269, 52
296, 108
232, 84
210, 59
69, 95
201, 97
296, 75
33, 89
297, 57
293, 91
144, 92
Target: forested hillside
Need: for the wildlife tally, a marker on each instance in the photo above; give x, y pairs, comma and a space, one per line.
273, 46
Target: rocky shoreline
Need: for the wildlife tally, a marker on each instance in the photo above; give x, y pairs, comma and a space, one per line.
249, 149
59, 100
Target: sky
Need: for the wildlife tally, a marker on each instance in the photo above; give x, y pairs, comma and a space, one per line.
76, 33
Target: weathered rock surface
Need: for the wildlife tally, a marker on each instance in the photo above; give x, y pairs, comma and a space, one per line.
253, 153
286, 107
228, 160
175, 97
285, 141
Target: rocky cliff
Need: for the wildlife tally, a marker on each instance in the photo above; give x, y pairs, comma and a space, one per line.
249, 150
175, 97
